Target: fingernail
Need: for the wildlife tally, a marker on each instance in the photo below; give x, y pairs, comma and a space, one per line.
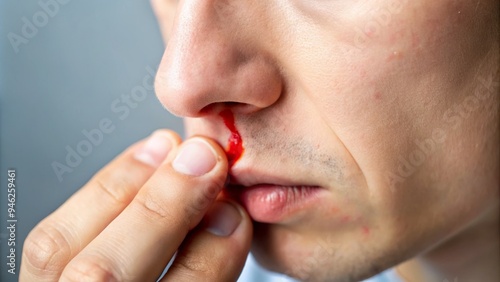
223, 219
196, 158
155, 150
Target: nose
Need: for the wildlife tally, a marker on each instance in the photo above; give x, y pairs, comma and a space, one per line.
207, 67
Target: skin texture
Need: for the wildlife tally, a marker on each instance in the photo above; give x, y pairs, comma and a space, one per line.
391, 106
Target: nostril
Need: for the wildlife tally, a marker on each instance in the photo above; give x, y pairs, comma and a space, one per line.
231, 104
235, 107
209, 109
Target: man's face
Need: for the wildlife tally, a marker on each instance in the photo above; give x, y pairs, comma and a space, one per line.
381, 113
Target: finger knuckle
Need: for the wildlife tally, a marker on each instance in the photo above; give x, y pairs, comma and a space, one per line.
153, 207
198, 266
119, 183
88, 269
47, 249
119, 189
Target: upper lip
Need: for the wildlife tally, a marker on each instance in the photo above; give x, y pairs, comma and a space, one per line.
245, 176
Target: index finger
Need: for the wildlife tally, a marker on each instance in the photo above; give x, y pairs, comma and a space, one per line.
138, 244
59, 237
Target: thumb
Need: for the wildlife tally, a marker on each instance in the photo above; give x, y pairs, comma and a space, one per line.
218, 249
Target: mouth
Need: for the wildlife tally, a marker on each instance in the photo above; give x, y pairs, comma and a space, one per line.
266, 199
272, 200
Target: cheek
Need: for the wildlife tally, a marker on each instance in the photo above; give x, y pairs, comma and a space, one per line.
376, 87
388, 64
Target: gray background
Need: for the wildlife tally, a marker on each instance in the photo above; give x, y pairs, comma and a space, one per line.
61, 82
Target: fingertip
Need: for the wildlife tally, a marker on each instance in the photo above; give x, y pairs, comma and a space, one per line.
228, 219
215, 147
217, 249
195, 158
155, 149
223, 219
198, 156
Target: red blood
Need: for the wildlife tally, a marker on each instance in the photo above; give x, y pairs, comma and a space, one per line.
234, 148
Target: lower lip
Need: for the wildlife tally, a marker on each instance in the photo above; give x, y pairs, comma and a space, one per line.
274, 204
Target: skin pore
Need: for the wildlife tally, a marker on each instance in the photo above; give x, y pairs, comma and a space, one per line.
390, 106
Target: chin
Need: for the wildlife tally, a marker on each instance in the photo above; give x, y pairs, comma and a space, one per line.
321, 257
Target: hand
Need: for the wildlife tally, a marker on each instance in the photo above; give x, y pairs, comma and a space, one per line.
127, 222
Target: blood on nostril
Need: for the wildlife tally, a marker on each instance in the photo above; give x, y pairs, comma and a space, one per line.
234, 148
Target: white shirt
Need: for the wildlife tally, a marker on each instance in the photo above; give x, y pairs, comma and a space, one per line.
252, 272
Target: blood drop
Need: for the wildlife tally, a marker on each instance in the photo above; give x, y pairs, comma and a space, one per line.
234, 148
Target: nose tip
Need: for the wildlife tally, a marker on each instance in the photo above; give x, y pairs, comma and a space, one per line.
182, 96
205, 68
194, 94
